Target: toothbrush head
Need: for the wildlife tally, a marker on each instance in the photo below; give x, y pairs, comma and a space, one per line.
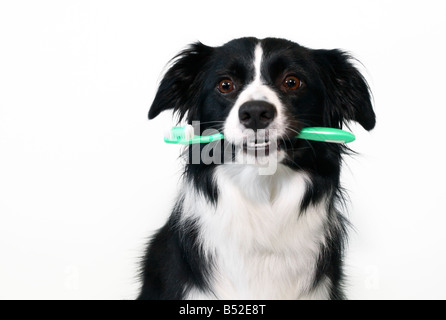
185, 135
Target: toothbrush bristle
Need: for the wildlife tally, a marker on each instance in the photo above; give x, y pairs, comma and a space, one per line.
180, 133
188, 132
168, 134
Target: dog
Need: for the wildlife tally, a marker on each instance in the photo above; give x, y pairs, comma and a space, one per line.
235, 233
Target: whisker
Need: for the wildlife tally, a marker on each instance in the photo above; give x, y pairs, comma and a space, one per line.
293, 130
310, 146
208, 122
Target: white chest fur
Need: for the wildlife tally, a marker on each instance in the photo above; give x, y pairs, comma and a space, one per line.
262, 245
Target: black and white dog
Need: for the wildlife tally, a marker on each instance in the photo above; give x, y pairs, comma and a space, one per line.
238, 234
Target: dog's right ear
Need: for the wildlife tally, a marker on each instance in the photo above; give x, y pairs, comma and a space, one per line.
180, 83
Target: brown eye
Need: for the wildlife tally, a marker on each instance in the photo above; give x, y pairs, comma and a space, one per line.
226, 86
292, 83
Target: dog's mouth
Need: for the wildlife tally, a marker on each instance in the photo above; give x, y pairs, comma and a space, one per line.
262, 147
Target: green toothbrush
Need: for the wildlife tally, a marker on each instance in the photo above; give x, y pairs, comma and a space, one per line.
185, 135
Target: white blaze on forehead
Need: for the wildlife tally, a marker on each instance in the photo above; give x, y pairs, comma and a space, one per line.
256, 90
258, 55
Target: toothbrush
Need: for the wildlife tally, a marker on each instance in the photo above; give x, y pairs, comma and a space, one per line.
185, 135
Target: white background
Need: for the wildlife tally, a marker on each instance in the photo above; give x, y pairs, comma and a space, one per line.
85, 177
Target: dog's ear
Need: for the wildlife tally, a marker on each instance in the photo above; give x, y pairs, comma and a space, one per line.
179, 86
347, 92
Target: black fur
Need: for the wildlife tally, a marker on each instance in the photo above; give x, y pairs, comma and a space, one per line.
173, 261
333, 94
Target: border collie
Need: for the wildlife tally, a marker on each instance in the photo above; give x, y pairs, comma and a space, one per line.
235, 233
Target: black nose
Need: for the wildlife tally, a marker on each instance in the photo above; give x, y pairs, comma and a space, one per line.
256, 114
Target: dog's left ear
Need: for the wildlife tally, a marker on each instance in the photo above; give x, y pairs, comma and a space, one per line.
180, 85
347, 92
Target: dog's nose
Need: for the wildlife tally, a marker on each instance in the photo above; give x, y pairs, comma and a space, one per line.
256, 114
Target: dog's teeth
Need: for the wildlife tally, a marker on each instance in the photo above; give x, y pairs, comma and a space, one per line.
259, 145
253, 144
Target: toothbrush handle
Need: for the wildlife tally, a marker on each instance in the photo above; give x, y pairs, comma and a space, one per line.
326, 135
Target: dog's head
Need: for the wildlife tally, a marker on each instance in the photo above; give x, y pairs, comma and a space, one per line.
270, 85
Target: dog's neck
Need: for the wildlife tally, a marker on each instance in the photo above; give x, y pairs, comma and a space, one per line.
256, 233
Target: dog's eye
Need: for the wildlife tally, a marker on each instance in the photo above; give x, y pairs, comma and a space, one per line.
226, 86
292, 83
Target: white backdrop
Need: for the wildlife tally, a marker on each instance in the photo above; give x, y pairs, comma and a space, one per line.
85, 177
